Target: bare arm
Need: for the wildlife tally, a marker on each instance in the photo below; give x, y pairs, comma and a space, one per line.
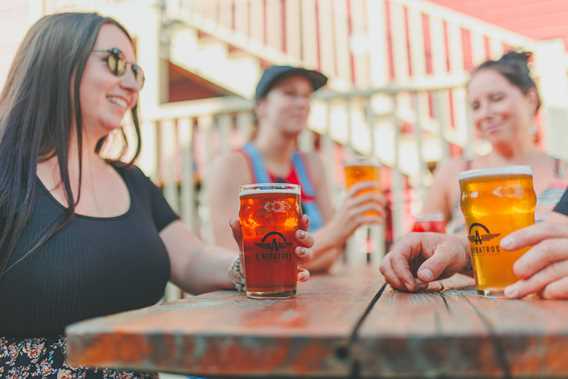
341, 223
440, 196
195, 266
224, 179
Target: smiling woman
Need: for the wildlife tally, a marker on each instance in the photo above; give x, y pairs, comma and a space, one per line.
81, 236
504, 103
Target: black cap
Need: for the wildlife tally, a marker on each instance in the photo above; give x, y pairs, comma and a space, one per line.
275, 73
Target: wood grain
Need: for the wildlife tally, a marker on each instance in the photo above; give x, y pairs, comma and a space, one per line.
459, 334
224, 333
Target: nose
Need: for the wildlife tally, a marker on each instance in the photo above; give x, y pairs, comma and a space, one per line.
303, 102
129, 81
484, 111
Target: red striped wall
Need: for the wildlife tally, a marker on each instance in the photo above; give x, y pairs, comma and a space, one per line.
540, 19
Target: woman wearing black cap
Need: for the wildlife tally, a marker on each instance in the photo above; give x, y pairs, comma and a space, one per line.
282, 108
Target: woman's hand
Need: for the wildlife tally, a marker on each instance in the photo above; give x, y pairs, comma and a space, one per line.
303, 238
543, 269
363, 205
420, 258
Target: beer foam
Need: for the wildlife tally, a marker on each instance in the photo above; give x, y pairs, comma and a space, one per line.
361, 162
495, 171
268, 188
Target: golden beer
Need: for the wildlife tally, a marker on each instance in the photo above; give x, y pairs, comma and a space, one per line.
495, 202
269, 216
361, 170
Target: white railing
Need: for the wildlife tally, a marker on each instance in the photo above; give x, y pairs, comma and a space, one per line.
361, 44
188, 135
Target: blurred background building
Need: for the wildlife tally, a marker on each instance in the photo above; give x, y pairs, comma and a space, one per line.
397, 67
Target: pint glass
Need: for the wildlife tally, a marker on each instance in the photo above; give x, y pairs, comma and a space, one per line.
361, 170
269, 216
495, 202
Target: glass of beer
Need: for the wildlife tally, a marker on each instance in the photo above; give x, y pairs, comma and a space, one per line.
269, 216
361, 169
495, 202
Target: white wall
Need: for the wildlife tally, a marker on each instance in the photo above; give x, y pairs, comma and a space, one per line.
15, 18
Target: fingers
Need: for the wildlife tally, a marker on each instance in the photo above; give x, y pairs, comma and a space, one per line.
430, 254
363, 186
401, 268
540, 256
304, 238
539, 281
368, 197
303, 254
557, 290
445, 257
303, 275
534, 234
396, 264
390, 276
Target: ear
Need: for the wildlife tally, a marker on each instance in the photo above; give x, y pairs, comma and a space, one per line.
260, 109
533, 100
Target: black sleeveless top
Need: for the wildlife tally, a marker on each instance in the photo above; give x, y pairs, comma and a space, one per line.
562, 205
93, 267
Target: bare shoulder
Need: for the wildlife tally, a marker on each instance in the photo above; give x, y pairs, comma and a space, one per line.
450, 168
230, 167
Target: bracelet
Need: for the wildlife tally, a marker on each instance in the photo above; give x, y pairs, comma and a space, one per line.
237, 276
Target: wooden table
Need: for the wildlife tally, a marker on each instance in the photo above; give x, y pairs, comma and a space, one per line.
344, 325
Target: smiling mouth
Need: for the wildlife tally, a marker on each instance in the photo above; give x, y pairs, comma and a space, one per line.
118, 101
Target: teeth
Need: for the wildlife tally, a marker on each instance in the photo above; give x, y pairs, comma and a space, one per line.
118, 101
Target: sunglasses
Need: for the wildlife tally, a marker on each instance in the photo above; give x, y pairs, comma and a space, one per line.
117, 64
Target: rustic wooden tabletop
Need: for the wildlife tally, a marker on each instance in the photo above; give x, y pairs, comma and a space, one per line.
348, 324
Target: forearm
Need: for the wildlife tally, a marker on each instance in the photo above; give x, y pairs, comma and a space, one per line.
206, 270
327, 247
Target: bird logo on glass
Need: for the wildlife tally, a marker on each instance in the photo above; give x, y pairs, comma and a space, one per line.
479, 236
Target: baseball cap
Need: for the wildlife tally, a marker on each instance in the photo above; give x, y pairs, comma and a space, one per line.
275, 73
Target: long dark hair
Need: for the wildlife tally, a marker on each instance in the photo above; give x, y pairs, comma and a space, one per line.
39, 107
514, 66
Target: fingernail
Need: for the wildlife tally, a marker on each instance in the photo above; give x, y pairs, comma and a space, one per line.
511, 291
303, 251
507, 242
425, 274
301, 234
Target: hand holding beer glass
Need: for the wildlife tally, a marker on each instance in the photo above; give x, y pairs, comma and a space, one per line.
496, 202
361, 170
270, 221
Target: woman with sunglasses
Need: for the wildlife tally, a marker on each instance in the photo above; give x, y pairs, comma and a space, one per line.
82, 236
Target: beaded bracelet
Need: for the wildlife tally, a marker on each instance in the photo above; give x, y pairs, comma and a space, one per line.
237, 276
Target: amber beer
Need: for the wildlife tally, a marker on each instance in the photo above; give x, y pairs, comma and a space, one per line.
361, 170
496, 202
269, 215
